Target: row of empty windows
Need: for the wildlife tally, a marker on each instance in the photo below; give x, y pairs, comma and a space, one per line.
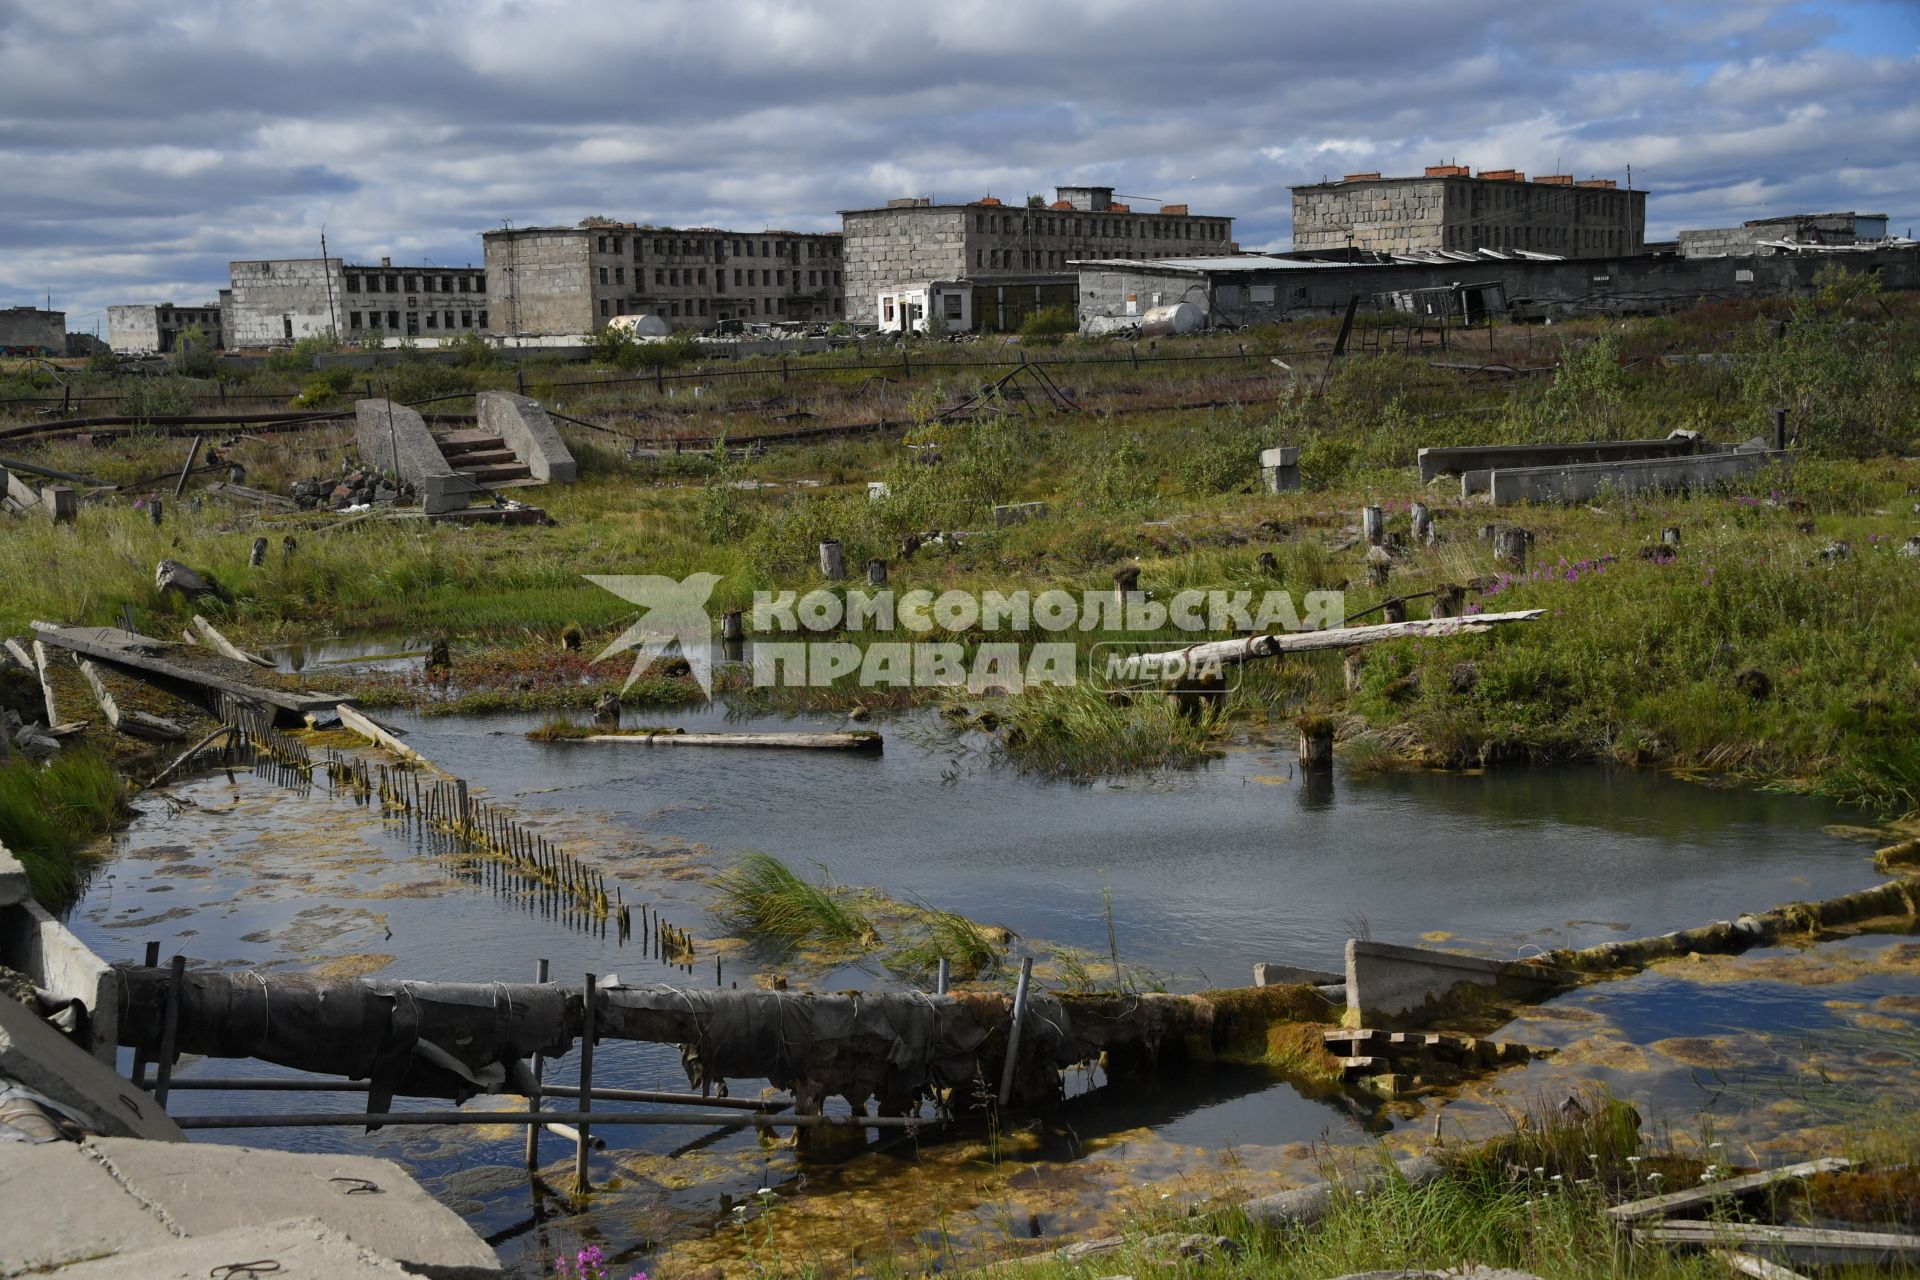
432, 319
1550, 239
701, 247
696, 307
1098, 227
376, 282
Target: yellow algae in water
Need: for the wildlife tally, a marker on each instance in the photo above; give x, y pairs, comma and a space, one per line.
354, 965
1697, 1051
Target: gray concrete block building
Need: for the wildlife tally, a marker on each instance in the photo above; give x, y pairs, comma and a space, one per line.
278, 301
148, 328
31, 331
1784, 233
1449, 209
1013, 258
573, 280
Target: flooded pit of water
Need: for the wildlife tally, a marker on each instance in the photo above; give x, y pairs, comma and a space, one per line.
1210, 871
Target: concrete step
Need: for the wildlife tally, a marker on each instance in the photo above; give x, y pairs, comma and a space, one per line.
483, 457
494, 472
469, 438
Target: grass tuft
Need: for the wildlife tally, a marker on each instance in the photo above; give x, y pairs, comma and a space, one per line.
47, 815
764, 897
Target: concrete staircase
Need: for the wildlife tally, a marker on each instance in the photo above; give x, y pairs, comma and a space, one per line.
484, 458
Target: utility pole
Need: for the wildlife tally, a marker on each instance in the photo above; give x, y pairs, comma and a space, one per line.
326, 270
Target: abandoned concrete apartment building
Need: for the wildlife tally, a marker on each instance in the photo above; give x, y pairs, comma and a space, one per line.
987, 265
150, 328
281, 300
569, 280
1448, 209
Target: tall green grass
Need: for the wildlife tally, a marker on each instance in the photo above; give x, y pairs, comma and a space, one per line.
47, 816
763, 897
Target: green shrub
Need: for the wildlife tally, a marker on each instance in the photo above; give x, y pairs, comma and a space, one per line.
1049, 322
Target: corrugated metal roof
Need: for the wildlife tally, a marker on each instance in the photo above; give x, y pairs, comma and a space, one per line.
1236, 263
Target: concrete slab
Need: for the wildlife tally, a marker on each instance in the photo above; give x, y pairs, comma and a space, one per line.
57, 1204
38, 945
1461, 459
1411, 983
299, 1248
1582, 482
1285, 975
44, 1060
1280, 469
13, 876
205, 1188
528, 430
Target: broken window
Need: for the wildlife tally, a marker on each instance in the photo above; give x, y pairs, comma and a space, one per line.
466, 319
674, 308
433, 319
482, 321
449, 319
736, 275
353, 284
600, 244
703, 275
673, 276
446, 284
617, 244
373, 319
620, 306
426, 284
393, 319
463, 284
413, 284
659, 276
703, 306
393, 286
603, 275
603, 306
619, 275
782, 277
353, 319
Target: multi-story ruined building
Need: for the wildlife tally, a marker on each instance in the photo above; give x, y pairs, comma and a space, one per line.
995, 263
1449, 209
144, 328
570, 280
278, 301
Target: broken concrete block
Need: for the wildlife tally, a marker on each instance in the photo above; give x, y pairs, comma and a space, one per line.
203, 1188
62, 1207
13, 876
35, 943
1286, 975
393, 438
1411, 983
1280, 469
524, 427
45, 1061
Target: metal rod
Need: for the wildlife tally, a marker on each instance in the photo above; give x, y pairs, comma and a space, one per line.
169, 1033
944, 978
533, 1103
586, 1083
1013, 1032
140, 1055
255, 1085
714, 1119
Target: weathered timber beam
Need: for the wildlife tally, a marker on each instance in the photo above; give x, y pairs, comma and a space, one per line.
1273, 646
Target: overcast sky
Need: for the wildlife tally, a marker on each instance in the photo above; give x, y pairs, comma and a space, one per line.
144, 145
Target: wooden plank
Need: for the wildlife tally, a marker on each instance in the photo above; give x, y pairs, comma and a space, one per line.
21, 656
1807, 1244
23, 494
193, 454
223, 646
1759, 1268
135, 724
260, 496
380, 736
46, 684
856, 740
145, 654
1707, 1193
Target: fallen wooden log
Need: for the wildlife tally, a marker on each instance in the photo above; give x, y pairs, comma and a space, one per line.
135, 724
46, 684
1759, 1268
246, 494
851, 740
1211, 652
1695, 1197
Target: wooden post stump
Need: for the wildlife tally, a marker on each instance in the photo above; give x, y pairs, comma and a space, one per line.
833, 562
1373, 525
259, 556
1510, 547
1316, 746
876, 573
1422, 524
